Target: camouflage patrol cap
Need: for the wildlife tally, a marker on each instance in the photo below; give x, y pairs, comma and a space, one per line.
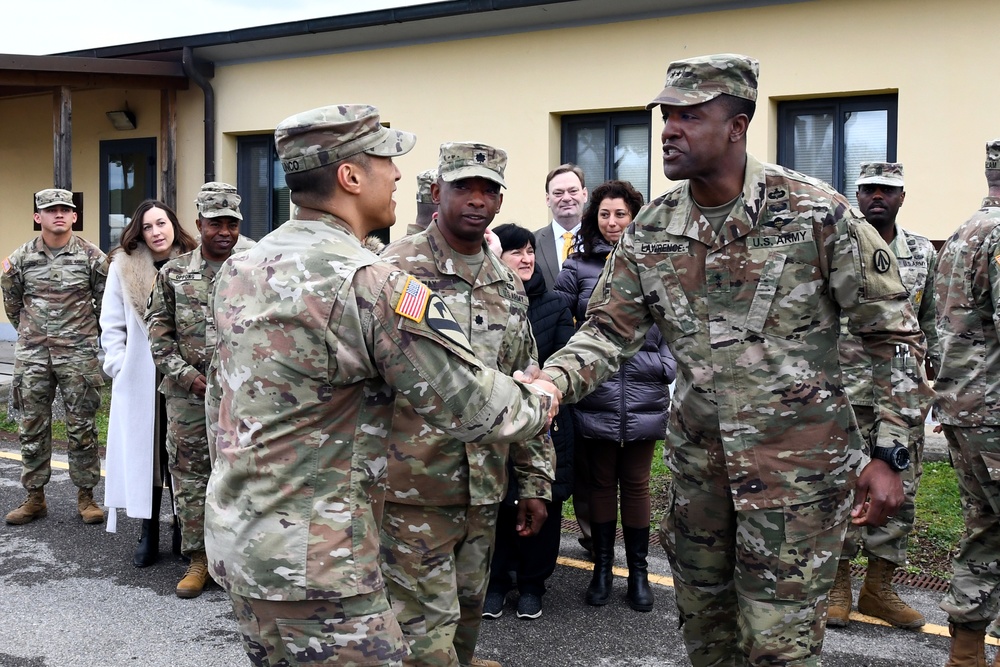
993, 154
698, 80
882, 173
218, 200
424, 180
316, 138
466, 159
53, 197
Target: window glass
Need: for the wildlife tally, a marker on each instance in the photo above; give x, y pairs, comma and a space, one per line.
631, 159
864, 141
610, 145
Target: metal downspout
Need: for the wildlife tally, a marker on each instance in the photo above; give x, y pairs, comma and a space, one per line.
196, 76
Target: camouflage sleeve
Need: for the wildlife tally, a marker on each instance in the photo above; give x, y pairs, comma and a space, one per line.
12, 284
160, 312
992, 246
534, 460
616, 326
928, 312
213, 391
865, 282
98, 280
426, 357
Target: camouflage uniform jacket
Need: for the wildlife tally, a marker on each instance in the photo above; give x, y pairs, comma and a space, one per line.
752, 316
968, 309
301, 396
54, 300
426, 465
917, 260
181, 324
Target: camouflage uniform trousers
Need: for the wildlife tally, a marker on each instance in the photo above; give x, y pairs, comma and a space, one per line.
349, 632
889, 541
973, 599
751, 586
436, 563
34, 389
187, 450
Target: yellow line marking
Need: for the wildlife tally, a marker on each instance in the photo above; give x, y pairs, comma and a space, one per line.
61, 465
668, 582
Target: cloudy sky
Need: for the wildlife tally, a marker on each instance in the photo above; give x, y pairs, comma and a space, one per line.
71, 25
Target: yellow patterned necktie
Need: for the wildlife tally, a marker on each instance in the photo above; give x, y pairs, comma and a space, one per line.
567, 244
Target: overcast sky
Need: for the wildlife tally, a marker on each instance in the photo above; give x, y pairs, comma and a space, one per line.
39, 27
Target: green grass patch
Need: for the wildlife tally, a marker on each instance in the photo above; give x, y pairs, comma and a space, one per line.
939, 524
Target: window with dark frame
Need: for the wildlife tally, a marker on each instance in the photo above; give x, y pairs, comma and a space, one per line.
830, 138
609, 146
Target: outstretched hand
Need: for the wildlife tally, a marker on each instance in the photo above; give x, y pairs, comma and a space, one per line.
539, 381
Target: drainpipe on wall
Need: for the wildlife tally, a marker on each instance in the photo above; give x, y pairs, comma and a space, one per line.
196, 76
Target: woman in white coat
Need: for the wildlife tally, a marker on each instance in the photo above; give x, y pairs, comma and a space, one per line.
136, 460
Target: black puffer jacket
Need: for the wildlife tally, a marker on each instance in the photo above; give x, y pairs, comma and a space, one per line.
552, 326
635, 402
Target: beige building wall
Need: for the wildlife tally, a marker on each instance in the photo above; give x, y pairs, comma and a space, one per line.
512, 90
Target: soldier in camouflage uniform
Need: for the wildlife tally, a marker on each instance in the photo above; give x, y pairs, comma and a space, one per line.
182, 339
443, 494
426, 208
745, 268
880, 196
52, 291
968, 407
317, 335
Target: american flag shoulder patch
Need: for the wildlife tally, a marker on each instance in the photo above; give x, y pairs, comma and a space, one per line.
413, 303
7, 266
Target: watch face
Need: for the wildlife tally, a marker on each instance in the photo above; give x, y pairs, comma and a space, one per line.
900, 458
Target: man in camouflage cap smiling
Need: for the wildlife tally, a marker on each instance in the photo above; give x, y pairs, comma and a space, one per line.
744, 267
315, 337
443, 494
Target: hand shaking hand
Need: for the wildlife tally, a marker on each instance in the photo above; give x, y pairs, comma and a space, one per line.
539, 381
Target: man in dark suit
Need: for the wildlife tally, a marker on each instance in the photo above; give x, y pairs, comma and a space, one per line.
565, 194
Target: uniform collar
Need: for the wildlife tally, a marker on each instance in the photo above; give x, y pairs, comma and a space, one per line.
452, 263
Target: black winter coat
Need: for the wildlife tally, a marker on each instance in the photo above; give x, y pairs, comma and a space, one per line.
635, 402
552, 326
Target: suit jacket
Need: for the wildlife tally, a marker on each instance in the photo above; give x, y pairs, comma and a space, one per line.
545, 255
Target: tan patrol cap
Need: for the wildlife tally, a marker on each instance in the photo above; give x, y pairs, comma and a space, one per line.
424, 181
467, 159
881, 173
318, 137
53, 197
698, 80
993, 154
218, 200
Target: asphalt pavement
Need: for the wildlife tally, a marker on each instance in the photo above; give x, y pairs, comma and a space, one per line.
70, 597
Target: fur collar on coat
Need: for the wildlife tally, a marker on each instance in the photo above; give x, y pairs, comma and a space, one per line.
137, 273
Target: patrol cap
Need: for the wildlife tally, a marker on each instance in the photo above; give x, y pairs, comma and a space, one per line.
318, 137
424, 180
881, 173
467, 159
53, 197
993, 154
698, 80
217, 200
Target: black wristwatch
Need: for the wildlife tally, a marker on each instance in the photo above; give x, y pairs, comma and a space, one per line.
897, 457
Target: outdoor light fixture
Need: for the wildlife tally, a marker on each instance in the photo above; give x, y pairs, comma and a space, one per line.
122, 120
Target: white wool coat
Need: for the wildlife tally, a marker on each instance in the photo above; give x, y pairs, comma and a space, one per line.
127, 359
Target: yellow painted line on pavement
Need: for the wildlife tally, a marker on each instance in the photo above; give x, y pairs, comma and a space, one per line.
61, 465
668, 582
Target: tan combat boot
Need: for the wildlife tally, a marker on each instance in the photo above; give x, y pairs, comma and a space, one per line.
878, 599
839, 614
87, 508
966, 647
483, 662
195, 578
32, 508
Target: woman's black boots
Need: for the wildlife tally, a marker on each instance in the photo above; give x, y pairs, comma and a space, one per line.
640, 595
148, 550
604, 559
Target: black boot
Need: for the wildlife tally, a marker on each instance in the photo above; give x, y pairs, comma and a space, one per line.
148, 550
604, 559
175, 541
640, 595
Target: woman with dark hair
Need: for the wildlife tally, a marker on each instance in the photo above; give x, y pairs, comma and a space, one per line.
617, 426
532, 559
136, 460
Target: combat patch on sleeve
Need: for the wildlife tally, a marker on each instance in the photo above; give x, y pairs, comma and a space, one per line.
413, 302
440, 320
7, 266
878, 272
